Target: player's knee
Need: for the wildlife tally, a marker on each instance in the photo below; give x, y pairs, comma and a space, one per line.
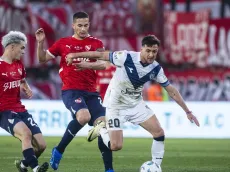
83, 118
158, 133
116, 146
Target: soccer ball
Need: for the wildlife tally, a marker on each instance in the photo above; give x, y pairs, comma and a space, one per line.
150, 166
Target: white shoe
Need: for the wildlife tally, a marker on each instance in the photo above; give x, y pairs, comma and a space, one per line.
95, 131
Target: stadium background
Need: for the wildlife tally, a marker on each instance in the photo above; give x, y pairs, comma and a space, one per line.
195, 53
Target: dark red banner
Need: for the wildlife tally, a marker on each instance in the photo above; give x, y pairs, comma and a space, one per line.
55, 21
185, 37
219, 42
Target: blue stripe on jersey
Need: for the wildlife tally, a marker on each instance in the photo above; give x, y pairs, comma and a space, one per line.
165, 84
111, 57
133, 75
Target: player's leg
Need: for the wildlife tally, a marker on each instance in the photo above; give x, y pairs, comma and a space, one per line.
151, 124
74, 101
97, 112
13, 123
38, 142
39, 146
112, 134
114, 124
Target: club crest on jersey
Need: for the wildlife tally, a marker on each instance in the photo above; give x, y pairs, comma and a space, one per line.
78, 100
87, 47
20, 71
151, 76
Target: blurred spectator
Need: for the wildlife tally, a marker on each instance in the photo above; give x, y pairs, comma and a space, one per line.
224, 5
147, 13
154, 92
56, 80
103, 79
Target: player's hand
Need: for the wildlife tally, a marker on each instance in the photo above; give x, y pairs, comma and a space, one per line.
69, 58
40, 35
28, 92
193, 119
82, 65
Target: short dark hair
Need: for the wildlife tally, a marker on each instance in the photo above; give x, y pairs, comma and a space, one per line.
80, 15
150, 40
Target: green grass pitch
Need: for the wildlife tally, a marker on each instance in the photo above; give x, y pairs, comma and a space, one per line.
182, 155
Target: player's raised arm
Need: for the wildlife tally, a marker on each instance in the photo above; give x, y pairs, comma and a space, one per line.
175, 95
90, 54
43, 56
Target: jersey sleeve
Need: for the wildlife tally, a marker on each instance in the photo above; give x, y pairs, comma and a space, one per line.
100, 45
54, 50
118, 58
23, 72
162, 79
22, 69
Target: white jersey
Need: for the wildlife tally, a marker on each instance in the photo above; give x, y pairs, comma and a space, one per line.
125, 88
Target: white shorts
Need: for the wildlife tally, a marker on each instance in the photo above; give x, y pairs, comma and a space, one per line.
115, 118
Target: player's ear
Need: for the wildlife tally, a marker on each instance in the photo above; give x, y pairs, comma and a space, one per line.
73, 26
12, 47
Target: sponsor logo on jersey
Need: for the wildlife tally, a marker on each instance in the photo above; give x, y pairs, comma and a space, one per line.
12, 73
68, 46
132, 93
12, 84
77, 48
4, 74
78, 100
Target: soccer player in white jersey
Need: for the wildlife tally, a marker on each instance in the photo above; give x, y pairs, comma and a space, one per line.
123, 99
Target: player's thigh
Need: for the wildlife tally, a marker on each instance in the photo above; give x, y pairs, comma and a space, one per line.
153, 126
21, 131
96, 109
142, 115
11, 122
29, 121
114, 125
75, 102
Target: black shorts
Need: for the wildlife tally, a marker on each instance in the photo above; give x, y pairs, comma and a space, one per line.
8, 119
75, 100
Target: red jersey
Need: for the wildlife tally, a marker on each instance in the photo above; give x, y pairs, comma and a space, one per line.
71, 78
103, 79
10, 80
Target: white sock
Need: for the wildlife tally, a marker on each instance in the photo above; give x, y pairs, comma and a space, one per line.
105, 136
35, 169
157, 151
22, 165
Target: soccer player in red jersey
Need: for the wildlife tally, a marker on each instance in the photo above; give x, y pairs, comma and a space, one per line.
14, 118
79, 84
